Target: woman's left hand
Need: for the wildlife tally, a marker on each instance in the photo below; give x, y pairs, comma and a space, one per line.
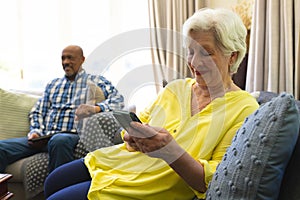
145, 138
153, 141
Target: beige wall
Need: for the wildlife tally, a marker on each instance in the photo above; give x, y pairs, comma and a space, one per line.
222, 3
242, 7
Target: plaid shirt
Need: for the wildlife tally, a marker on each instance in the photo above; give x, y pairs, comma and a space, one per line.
55, 110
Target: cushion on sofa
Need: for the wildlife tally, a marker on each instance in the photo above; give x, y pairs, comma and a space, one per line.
14, 109
291, 180
254, 164
99, 131
265, 96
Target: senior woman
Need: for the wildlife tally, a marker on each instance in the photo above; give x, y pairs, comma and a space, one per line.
185, 131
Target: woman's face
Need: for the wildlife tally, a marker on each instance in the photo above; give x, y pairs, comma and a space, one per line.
207, 62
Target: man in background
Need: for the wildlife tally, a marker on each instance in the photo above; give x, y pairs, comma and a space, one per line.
65, 101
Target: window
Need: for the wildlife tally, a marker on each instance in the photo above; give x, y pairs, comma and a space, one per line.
34, 32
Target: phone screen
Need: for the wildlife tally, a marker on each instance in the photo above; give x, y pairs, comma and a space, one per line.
124, 118
134, 117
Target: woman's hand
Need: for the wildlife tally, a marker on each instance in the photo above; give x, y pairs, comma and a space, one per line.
153, 141
145, 138
159, 143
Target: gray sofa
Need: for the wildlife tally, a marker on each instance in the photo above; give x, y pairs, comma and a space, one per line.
29, 173
14, 108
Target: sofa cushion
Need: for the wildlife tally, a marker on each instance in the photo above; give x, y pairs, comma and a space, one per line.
265, 96
254, 164
14, 109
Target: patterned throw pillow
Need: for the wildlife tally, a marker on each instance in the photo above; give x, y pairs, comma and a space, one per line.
98, 131
254, 164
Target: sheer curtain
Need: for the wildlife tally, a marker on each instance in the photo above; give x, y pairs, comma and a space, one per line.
34, 32
167, 18
274, 53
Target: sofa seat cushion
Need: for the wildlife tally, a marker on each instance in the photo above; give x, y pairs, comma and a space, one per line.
17, 169
254, 165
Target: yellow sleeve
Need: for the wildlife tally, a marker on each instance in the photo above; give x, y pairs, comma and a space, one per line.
219, 151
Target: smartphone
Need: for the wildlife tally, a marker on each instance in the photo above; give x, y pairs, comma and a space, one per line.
124, 118
134, 117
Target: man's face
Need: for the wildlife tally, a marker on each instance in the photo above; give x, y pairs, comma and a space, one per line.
72, 60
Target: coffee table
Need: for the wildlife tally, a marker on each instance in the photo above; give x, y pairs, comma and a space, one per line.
4, 193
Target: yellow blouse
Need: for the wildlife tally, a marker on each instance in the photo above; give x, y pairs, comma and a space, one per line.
119, 174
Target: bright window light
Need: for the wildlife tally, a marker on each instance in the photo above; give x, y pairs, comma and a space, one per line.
34, 32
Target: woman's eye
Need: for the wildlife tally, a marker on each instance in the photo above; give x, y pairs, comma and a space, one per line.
205, 53
190, 54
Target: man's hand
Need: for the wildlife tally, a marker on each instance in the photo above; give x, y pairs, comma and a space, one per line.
85, 110
33, 135
36, 145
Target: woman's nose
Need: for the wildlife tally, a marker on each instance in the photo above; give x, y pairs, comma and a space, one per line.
196, 60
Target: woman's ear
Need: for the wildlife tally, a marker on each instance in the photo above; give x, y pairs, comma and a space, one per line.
233, 57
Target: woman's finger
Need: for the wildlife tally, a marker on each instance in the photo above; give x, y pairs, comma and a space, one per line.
139, 130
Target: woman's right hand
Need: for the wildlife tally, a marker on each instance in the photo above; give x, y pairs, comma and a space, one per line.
129, 142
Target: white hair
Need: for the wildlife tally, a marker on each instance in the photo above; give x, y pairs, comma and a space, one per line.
228, 29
